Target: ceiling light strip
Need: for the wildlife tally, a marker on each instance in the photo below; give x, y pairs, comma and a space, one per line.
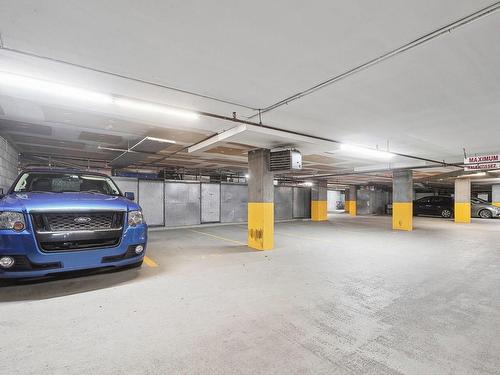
146, 82
74, 93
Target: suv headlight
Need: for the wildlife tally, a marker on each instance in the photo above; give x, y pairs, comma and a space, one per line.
12, 220
135, 218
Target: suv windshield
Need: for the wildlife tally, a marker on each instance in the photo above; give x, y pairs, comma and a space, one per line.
54, 182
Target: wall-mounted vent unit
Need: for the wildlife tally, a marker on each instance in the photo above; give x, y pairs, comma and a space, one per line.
285, 160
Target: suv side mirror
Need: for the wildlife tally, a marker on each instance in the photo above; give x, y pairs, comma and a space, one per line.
129, 195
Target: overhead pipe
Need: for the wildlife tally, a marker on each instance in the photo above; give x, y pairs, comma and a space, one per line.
349, 173
415, 43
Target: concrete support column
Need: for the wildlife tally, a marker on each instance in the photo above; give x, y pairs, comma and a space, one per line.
346, 201
402, 200
495, 195
462, 200
319, 209
353, 198
260, 201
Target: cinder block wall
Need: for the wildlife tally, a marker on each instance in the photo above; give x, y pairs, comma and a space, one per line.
8, 164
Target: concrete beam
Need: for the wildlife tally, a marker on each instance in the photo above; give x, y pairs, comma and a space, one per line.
263, 137
216, 139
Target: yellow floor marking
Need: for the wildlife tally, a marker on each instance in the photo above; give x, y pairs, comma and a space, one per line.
218, 237
150, 262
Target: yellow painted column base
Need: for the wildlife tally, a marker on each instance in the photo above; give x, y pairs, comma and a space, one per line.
346, 206
496, 204
462, 213
261, 225
319, 211
352, 208
402, 216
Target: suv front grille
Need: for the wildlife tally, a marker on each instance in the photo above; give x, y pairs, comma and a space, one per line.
56, 232
64, 222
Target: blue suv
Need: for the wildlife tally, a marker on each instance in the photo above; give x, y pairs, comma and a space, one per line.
54, 221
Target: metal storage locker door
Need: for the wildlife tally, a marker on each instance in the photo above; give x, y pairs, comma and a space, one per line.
283, 203
307, 203
363, 202
127, 184
301, 202
298, 211
151, 200
182, 204
234, 202
210, 203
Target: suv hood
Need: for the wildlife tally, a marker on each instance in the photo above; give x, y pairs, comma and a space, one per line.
29, 202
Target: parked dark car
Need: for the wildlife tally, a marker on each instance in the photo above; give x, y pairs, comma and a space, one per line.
444, 206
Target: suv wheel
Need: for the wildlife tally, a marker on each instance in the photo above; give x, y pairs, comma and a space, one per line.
446, 213
485, 214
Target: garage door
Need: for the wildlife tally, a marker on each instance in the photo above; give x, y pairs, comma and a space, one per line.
301, 202
210, 203
182, 203
234, 203
151, 201
283, 205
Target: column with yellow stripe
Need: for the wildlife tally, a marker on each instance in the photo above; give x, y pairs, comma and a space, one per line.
346, 201
402, 200
319, 210
495, 195
260, 201
462, 200
353, 198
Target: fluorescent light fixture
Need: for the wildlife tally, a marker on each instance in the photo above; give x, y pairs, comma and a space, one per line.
480, 174
247, 175
53, 89
74, 93
366, 153
308, 183
141, 106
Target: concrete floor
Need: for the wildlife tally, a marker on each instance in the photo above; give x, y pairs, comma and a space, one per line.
348, 296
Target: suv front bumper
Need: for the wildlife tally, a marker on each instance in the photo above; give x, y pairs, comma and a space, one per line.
31, 262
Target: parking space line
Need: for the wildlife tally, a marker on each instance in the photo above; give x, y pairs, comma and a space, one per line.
150, 262
218, 237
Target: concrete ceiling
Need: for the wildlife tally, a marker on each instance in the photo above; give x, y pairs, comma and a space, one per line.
431, 101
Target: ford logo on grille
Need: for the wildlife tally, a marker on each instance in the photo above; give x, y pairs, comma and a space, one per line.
82, 220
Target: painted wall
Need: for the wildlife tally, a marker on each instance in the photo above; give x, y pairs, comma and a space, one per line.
8, 164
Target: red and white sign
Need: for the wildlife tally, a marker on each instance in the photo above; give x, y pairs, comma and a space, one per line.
482, 159
482, 167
